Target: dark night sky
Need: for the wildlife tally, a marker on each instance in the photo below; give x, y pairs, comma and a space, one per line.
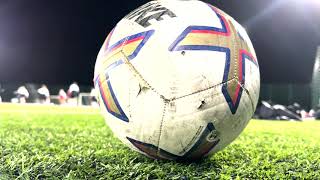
56, 42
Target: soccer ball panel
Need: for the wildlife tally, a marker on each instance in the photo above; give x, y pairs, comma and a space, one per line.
252, 81
186, 117
130, 109
146, 117
192, 114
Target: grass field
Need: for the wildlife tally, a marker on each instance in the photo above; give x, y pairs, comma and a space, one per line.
75, 143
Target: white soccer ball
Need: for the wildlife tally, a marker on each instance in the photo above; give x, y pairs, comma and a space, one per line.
177, 79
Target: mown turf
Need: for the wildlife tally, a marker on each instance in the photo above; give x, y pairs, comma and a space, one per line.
67, 145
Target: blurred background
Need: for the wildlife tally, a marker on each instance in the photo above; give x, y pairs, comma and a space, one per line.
55, 43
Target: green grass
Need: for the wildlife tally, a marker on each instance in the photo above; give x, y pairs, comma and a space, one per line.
36, 143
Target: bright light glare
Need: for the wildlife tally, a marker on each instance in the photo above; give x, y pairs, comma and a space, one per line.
306, 2
267, 11
315, 1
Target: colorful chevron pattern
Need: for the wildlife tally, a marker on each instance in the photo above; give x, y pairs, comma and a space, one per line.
205, 38
113, 56
202, 147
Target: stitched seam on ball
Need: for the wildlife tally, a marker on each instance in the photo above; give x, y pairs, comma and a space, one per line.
235, 50
161, 123
209, 88
136, 72
249, 95
129, 101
